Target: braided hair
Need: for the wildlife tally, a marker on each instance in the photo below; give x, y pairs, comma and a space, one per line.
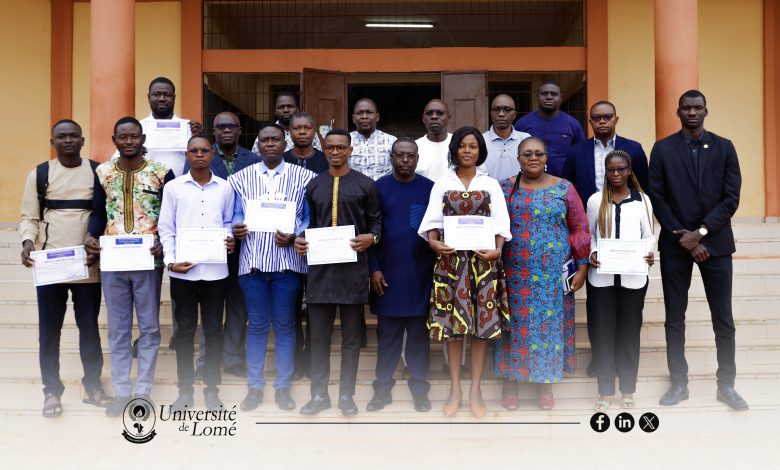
605, 208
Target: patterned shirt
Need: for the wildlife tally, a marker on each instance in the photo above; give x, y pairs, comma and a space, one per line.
285, 182
128, 202
228, 160
371, 156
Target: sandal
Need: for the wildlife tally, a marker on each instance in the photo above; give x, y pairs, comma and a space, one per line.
52, 406
98, 398
601, 406
546, 402
627, 403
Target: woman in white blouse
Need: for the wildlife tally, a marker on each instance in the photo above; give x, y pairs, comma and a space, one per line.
621, 211
469, 288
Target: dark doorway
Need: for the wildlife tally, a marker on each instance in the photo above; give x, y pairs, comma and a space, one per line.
400, 105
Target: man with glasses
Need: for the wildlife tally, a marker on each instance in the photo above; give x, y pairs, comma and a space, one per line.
434, 146
401, 279
230, 158
371, 147
502, 140
558, 130
285, 108
584, 168
339, 197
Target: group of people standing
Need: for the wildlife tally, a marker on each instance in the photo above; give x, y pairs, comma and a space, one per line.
551, 195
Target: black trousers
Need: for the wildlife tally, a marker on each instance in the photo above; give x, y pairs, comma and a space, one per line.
321, 318
716, 274
616, 318
302, 335
594, 364
187, 296
390, 336
51, 314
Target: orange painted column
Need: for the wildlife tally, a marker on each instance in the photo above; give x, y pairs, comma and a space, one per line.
597, 71
676, 59
112, 71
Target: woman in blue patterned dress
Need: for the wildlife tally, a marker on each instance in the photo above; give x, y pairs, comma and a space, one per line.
549, 226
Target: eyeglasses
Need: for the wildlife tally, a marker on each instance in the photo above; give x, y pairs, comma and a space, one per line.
536, 154
601, 117
505, 109
333, 148
436, 112
227, 127
621, 170
404, 155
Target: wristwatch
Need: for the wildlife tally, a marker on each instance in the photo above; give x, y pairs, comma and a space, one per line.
170, 266
376, 238
703, 231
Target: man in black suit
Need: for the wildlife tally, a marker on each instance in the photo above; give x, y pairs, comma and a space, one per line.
694, 185
230, 158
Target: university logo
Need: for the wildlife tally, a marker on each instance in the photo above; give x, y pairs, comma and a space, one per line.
139, 419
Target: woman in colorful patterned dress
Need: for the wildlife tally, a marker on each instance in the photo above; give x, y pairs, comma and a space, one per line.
549, 226
469, 289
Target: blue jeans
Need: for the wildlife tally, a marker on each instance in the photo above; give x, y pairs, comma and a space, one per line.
270, 299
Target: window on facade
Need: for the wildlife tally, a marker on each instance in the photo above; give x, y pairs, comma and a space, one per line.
382, 24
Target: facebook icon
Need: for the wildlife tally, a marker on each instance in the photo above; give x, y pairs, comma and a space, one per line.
599, 422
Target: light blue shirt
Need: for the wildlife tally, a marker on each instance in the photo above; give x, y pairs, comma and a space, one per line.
501, 160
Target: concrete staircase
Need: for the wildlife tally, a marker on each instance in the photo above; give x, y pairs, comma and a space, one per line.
756, 306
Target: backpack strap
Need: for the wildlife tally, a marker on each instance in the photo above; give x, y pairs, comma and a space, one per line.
42, 184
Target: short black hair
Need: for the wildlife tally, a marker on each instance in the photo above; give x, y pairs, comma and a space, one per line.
459, 135
531, 138
597, 103
548, 82
164, 80
292, 95
339, 131
128, 120
404, 139
198, 136
65, 121
263, 124
692, 94
302, 115
367, 100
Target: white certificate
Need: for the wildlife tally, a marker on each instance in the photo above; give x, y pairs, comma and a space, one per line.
201, 245
270, 216
59, 265
126, 253
168, 134
330, 245
618, 256
469, 232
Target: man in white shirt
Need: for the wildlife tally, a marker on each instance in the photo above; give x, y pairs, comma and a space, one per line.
162, 98
502, 140
285, 108
197, 200
433, 147
370, 146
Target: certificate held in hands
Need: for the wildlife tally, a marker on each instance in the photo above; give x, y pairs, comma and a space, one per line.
167, 134
330, 245
126, 253
618, 256
270, 216
59, 265
201, 245
469, 232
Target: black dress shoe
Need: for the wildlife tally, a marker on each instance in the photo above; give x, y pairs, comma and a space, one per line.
239, 370
674, 395
422, 403
283, 399
183, 401
315, 405
379, 401
730, 397
253, 399
347, 405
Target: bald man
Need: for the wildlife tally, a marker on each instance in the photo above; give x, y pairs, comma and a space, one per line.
433, 147
231, 158
502, 140
370, 146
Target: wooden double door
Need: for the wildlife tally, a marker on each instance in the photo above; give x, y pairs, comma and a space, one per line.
324, 95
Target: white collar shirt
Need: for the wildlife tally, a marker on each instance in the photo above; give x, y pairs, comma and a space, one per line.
599, 154
501, 162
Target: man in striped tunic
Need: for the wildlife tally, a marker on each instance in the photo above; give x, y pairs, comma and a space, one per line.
269, 268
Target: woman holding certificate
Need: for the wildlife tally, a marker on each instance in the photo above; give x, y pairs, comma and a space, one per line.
551, 232
469, 291
622, 241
